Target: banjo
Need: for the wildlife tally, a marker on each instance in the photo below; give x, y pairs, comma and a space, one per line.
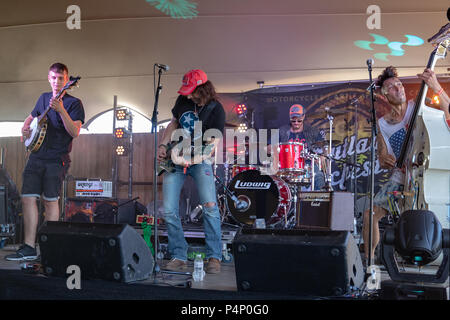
38, 126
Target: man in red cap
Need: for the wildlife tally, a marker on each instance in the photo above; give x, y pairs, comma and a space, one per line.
197, 102
299, 131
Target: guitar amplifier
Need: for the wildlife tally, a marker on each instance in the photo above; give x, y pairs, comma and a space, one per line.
94, 210
325, 210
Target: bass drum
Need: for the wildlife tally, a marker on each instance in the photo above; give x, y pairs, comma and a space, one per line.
262, 196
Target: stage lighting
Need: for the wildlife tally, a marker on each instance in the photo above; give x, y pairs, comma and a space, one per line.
419, 239
242, 127
122, 114
241, 110
436, 100
121, 133
122, 150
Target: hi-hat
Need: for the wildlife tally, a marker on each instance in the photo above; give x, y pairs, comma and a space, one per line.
228, 124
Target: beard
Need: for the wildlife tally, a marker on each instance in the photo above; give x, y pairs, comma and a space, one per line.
397, 100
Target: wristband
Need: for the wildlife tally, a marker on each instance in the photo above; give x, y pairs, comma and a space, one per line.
440, 91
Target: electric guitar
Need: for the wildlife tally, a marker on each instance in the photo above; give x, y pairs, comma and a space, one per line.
39, 124
175, 157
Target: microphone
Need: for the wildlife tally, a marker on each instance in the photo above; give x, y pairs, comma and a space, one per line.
373, 85
241, 205
369, 62
165, 67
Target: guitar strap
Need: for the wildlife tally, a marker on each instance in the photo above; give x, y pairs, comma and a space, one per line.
206, 111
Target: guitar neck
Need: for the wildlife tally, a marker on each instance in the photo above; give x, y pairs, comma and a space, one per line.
60, 93
419, 102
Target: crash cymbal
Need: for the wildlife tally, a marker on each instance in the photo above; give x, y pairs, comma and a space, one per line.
245, 147
325, 143
236, 152
323, 114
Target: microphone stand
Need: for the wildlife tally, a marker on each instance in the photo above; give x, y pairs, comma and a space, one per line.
374, 134
156, 268
155, 171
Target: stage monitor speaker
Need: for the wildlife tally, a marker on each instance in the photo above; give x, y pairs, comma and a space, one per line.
303, 262
113, 252
325, 211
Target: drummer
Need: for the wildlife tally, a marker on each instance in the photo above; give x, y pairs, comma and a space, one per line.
299, 131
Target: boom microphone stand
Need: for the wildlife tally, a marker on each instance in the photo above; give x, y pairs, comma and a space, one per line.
156, 268
155, 168
374, 134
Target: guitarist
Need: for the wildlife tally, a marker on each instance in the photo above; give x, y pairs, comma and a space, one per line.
197, 102
392, 128
46, 168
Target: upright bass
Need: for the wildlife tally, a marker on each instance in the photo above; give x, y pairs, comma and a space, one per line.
425, 153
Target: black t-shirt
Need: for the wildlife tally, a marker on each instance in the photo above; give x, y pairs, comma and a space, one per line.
297, 137
58, 142
187, 113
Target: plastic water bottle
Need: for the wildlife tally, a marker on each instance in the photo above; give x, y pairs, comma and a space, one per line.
198, 268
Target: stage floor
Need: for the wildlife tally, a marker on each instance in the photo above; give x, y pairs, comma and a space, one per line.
224, 282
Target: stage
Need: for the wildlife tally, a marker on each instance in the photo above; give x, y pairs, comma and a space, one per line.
19, 284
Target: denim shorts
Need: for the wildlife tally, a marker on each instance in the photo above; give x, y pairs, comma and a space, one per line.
44, 177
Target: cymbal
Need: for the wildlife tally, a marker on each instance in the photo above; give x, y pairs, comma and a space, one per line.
245, 147
324, 143
324, 114
235, 151
228, 124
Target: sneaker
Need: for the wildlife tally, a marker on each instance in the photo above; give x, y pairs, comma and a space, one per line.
176, 265
25, 252
213, 266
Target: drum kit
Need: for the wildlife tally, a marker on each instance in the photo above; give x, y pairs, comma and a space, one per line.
251, 194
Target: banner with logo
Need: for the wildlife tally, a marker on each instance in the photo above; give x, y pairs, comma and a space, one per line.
350, 107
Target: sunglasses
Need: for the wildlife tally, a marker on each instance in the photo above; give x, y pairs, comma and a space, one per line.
296, 120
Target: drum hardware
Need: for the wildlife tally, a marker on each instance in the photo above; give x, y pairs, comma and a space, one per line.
327, 144
323, 143
231, 125
196, 214
326, 113
241, 203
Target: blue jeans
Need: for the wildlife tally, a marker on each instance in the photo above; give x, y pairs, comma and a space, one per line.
172, 185
319, 178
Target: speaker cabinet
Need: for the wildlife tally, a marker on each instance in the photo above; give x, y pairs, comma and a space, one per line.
113, 252
325, 210
305, 262
101, 210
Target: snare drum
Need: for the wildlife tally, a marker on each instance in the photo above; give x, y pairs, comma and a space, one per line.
291, 157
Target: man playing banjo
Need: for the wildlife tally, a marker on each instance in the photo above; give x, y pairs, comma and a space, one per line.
49, 162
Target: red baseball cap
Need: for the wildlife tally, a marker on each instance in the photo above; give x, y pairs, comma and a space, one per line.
296, 110
191, 80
